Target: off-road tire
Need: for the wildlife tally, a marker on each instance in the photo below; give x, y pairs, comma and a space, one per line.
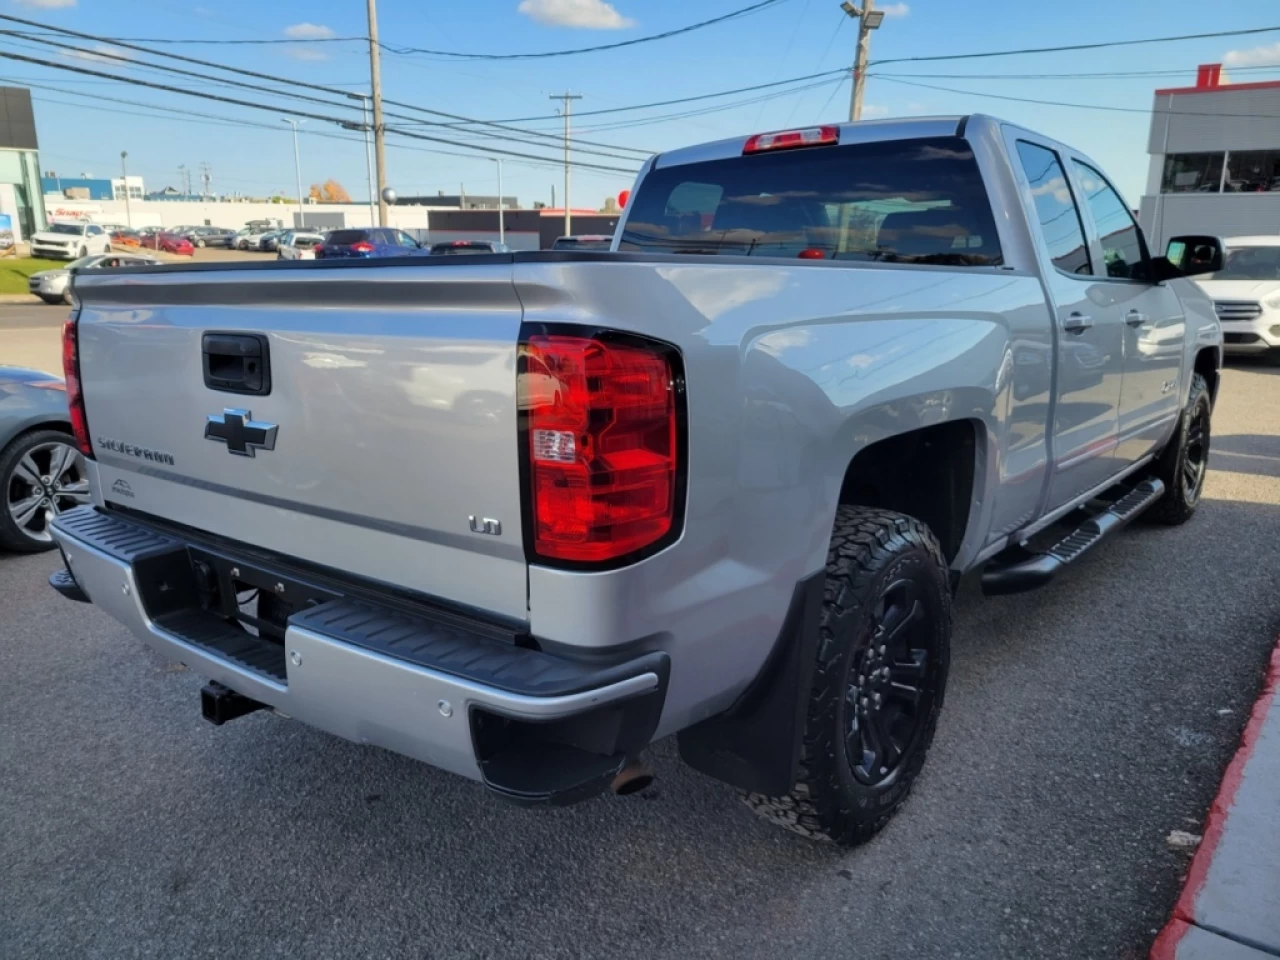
870, 551
1180, 500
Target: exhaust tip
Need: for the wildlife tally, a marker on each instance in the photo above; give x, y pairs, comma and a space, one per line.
632, 778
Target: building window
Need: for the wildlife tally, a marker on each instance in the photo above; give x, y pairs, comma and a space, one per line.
1192, 173
1253, 171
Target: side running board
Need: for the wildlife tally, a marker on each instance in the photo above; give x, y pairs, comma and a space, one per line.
1037, 570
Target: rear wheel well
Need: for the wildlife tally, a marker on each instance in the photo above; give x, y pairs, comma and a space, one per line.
927, 474
1206, 365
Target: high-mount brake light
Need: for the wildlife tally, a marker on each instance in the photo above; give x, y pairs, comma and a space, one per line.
790, 139
75, 392
602, 446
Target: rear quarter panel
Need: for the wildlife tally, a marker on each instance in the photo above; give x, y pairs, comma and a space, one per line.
791, 370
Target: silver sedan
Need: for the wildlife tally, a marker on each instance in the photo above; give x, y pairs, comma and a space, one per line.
53, 286
42, 473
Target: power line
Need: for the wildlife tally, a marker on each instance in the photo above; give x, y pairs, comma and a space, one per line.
186, 117
665, 35
9, 55
1083, 106
1078, 46
122, 60
843, 71
262, 76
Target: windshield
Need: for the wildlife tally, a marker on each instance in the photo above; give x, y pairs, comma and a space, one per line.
1249, 263
74, 229
899, 201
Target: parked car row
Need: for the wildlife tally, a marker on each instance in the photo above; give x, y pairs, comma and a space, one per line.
76, 239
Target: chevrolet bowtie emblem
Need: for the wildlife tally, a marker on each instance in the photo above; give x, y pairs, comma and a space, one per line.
240, 432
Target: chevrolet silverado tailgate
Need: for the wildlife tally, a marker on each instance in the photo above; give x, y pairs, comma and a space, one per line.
359, 418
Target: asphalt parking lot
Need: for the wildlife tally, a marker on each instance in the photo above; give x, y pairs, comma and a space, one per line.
1083, 723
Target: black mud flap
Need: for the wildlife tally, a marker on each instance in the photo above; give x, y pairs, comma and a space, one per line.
755, 744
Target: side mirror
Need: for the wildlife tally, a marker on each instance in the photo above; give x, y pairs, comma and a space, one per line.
1193, 255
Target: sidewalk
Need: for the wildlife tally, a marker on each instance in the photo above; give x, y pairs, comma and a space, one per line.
1229, 908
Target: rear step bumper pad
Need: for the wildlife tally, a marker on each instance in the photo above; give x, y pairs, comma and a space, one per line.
373, 675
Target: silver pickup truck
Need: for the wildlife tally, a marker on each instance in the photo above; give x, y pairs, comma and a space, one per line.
518, 516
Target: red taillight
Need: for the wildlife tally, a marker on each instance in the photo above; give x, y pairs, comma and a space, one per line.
787, 139
75, 395
362, 247
811, 253
603, 445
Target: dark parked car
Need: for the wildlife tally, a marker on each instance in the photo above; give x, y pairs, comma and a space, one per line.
372, 242
41, 471
209, 236
455, 247
587, 241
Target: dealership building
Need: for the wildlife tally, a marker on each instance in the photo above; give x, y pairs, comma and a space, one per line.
21, 199
1215, 159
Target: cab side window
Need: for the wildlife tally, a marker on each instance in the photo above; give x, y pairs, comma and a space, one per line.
1123, 249
1055, 208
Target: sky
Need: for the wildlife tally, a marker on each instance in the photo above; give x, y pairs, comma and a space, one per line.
80, 132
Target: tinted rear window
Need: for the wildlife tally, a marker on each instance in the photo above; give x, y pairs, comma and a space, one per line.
344, 237
447, 248
902, 201
565, 243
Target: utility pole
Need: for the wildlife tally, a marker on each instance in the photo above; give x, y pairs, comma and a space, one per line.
375, 84
502, 226
297, 167
124, 172
567, 98
868, 19
206, 178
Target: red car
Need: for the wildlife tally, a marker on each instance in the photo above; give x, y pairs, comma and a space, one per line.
169, 243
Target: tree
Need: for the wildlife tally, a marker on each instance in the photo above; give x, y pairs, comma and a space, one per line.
331, 191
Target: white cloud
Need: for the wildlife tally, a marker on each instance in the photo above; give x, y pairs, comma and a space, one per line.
305, 54
587, 14
895, 9
309, 31
870, 111
101, 53
1257, 57
46, 4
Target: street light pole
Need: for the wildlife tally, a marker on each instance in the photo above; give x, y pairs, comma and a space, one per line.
124, 172
868, 19
375, 90
297, 167
502, 226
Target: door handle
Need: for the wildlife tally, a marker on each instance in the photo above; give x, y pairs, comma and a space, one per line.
237, 362
1077, 322
1134, 318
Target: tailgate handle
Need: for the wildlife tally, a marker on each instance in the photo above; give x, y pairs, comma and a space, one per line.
237, 363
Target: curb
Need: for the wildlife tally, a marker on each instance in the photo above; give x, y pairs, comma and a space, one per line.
1183, 919
19, 298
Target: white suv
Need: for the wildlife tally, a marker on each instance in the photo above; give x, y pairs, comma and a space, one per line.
1246, 294
70, 240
